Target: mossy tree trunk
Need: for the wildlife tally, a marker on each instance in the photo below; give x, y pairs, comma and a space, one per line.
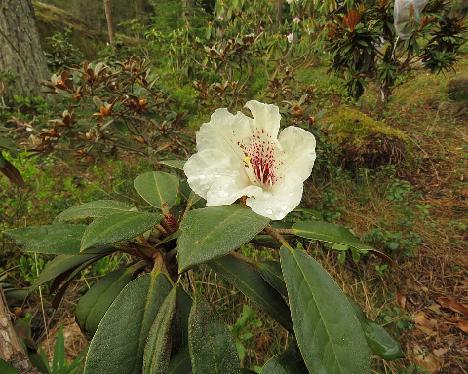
21, 53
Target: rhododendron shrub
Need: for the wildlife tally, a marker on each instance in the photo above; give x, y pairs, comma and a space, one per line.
149, 316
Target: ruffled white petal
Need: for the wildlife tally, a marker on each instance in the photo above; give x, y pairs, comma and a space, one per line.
222, 132
299, 155
266, 117
212, 175
242, 156
277, 203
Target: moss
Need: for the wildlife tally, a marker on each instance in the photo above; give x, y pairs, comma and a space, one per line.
51, 19
362, 140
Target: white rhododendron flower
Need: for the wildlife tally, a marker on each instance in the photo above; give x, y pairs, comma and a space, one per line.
243, 156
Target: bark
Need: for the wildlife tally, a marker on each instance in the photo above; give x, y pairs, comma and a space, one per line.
279, 11
21, 53
110, 20
11, 349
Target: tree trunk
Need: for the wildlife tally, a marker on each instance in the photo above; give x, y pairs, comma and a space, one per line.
110, 21
21, 53
11, 349
279, 11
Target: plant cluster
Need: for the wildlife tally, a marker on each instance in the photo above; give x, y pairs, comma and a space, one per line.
110, 108
163, 319
364, 45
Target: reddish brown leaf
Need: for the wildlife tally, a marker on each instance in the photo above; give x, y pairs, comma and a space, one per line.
449, 302
463, 326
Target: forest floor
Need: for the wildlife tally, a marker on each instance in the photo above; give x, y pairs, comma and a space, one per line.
415, 212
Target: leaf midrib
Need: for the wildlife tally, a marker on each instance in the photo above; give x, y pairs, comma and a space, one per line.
319, 311
109, 228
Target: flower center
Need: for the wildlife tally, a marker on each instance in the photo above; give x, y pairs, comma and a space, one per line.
260, 161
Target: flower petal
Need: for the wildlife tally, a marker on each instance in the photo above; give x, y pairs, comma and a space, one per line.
277, 203
222, 132
212, 175
266, 117
299, 152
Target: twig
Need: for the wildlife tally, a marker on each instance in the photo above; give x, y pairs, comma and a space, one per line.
276, 234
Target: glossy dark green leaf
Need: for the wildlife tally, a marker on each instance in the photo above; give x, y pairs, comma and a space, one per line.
51, 239
117, 346
94, 209
328, 232
180, 363
212, 232
158, 189
211, 346
118, 227
157, 351
248, 280
328, 333
94, 303
271, 272
288, 362
379, 340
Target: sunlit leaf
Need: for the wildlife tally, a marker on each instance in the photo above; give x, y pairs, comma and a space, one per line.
94, 209
328, 333
118, 227
211, 346
94, 303
51, 239
379, 340
212, 232
117, 346
158, 189
328, 232
158, 346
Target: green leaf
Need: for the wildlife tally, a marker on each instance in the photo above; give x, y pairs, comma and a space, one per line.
94, 209
328, 232
118, 227
7, 143
271, 272
288, 362
65, 263
117, 346
379, 340
180, 363
158, 189
183, 307
211, 346
176, 164
58, 362
158, 345
212, 232
246, 278
6, 368
50, 239
328, 333
94, 303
